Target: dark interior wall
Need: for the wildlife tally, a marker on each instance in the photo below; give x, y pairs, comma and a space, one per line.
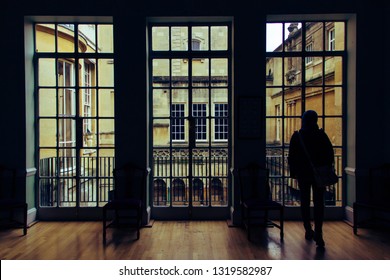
131, 90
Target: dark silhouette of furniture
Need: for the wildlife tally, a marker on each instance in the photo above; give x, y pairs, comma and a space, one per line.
126, 206
256, 201
371, 210
8, 201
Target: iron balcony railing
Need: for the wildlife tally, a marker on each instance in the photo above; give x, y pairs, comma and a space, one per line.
171, 177
58, 180
285, 189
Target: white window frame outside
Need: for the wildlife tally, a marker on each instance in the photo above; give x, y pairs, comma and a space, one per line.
221, 122
199, 111
177, 114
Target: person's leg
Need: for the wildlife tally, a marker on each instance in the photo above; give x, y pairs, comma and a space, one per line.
318, 200
305, 207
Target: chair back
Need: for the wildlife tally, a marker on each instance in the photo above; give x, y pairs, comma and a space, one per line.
130, 182
380, 184
254, 183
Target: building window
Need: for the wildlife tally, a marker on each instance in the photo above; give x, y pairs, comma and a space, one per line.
199, 113
87, 102
332, 40
309, 48
177, 113
195, 44
221, 122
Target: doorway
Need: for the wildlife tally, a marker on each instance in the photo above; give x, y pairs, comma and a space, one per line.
190, 128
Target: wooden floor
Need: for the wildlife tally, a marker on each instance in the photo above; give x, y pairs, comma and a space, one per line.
189, 240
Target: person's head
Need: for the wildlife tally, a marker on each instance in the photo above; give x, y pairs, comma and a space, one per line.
309, 120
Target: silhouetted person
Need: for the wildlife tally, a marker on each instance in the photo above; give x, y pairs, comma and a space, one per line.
321, 152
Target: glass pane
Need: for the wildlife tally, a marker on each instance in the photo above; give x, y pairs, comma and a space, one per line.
87, 68
65, 38
47, 162
335, 36
106, 72
89, 135
219, 38
338, 163
106, 161
161, 133
293, 102
105, 173
47, 72
274, 73
105, 35
274, 38
273, 131
293, 71
161, 99
200, 72
180, 96
161, 72
219, 72
47, 102
179, 38
179, 131
67, 162
66, 132
290, 126
219, 95
66, 102
200, 38
67, 192
106, 133
200, 161
160, 38
334, 70
87, 99
66, 73
44, 39
333, 127
314, 74
293, 37
200, 95
333, 101
315, 36
87, 38
314, 99
106, 103
180, 72
47, 133
274, 101
87, 163
274, 161
88, 192
106, 185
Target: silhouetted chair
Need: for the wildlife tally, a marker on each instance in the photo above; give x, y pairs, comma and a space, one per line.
127, 208
369, 211
256, 199
9, 203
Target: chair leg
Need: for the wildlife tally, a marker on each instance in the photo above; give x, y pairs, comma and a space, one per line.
104, 225
281, 224
355, 217
25, 219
